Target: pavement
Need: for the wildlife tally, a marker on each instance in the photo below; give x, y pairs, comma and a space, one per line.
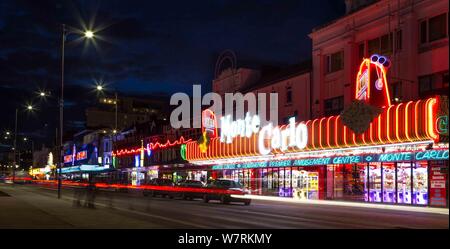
33, 206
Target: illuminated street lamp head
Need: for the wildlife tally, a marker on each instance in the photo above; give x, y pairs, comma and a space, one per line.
42, 94
25, 139
99, 87
7, 133
30, 107
88, 34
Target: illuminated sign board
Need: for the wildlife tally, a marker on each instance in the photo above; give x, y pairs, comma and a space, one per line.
242, 127
269, 137
209, 123
371, 83
389, 157
67, 158
81, 155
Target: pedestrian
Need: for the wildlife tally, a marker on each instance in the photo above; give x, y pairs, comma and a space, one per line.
90, 195
77, 197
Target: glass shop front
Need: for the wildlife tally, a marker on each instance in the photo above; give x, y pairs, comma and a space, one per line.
410, 183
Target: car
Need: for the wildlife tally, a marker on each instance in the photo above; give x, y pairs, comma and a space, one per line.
216, 192
156, 192
193, 184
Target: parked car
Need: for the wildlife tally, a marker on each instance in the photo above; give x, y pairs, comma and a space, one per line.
225, 198
156, 192
194, 184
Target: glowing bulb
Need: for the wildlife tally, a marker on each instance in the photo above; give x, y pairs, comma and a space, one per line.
89, 34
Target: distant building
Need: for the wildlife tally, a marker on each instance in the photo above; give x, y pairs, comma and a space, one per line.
413, 34
130, 111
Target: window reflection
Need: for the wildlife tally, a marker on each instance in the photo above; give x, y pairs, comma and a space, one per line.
420, 183
375, 182
389, 180
404, 183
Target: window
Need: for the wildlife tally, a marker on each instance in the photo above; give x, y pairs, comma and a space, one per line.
396, 91
432, 84
335, 62
425, 84
374, 46
361, 53
386, 42
288, 95
433, 29
445, 80
423, 32
334, 106
437, 27
398, 40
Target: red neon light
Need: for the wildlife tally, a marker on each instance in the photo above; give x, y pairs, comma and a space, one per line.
370, 75
143, 187
152, 146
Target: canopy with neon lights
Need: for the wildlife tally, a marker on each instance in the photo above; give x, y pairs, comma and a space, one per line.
405, 122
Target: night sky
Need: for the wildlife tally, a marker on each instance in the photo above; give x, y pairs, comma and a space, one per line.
142, 48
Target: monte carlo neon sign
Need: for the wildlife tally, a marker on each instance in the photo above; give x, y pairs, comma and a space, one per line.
269, 137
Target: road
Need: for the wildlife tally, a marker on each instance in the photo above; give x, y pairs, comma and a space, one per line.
133, 210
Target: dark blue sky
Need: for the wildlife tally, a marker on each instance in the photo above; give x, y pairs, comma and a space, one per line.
143, 47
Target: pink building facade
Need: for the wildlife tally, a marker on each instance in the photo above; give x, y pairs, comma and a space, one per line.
293, 85
412, 34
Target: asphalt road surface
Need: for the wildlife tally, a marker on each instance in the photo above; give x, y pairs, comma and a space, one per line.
160, 212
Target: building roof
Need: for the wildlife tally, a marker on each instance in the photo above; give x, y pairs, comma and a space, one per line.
273, 75
351, 12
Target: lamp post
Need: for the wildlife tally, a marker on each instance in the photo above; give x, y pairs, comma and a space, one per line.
65, 32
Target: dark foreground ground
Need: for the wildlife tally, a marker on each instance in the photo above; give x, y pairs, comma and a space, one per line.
32, 206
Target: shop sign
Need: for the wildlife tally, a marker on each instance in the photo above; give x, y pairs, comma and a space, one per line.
438, 193
280, 138
432, 155
389, 157
209, 123
242, 127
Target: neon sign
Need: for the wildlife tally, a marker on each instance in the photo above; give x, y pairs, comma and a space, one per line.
389, 157
393, 157
290, 136
241, 127
81, 155
209, 123
432, 155
371, 83
442, 125
67, 158
150, 146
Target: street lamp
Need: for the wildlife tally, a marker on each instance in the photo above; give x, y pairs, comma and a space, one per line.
99, 87
89, 34
65, 32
